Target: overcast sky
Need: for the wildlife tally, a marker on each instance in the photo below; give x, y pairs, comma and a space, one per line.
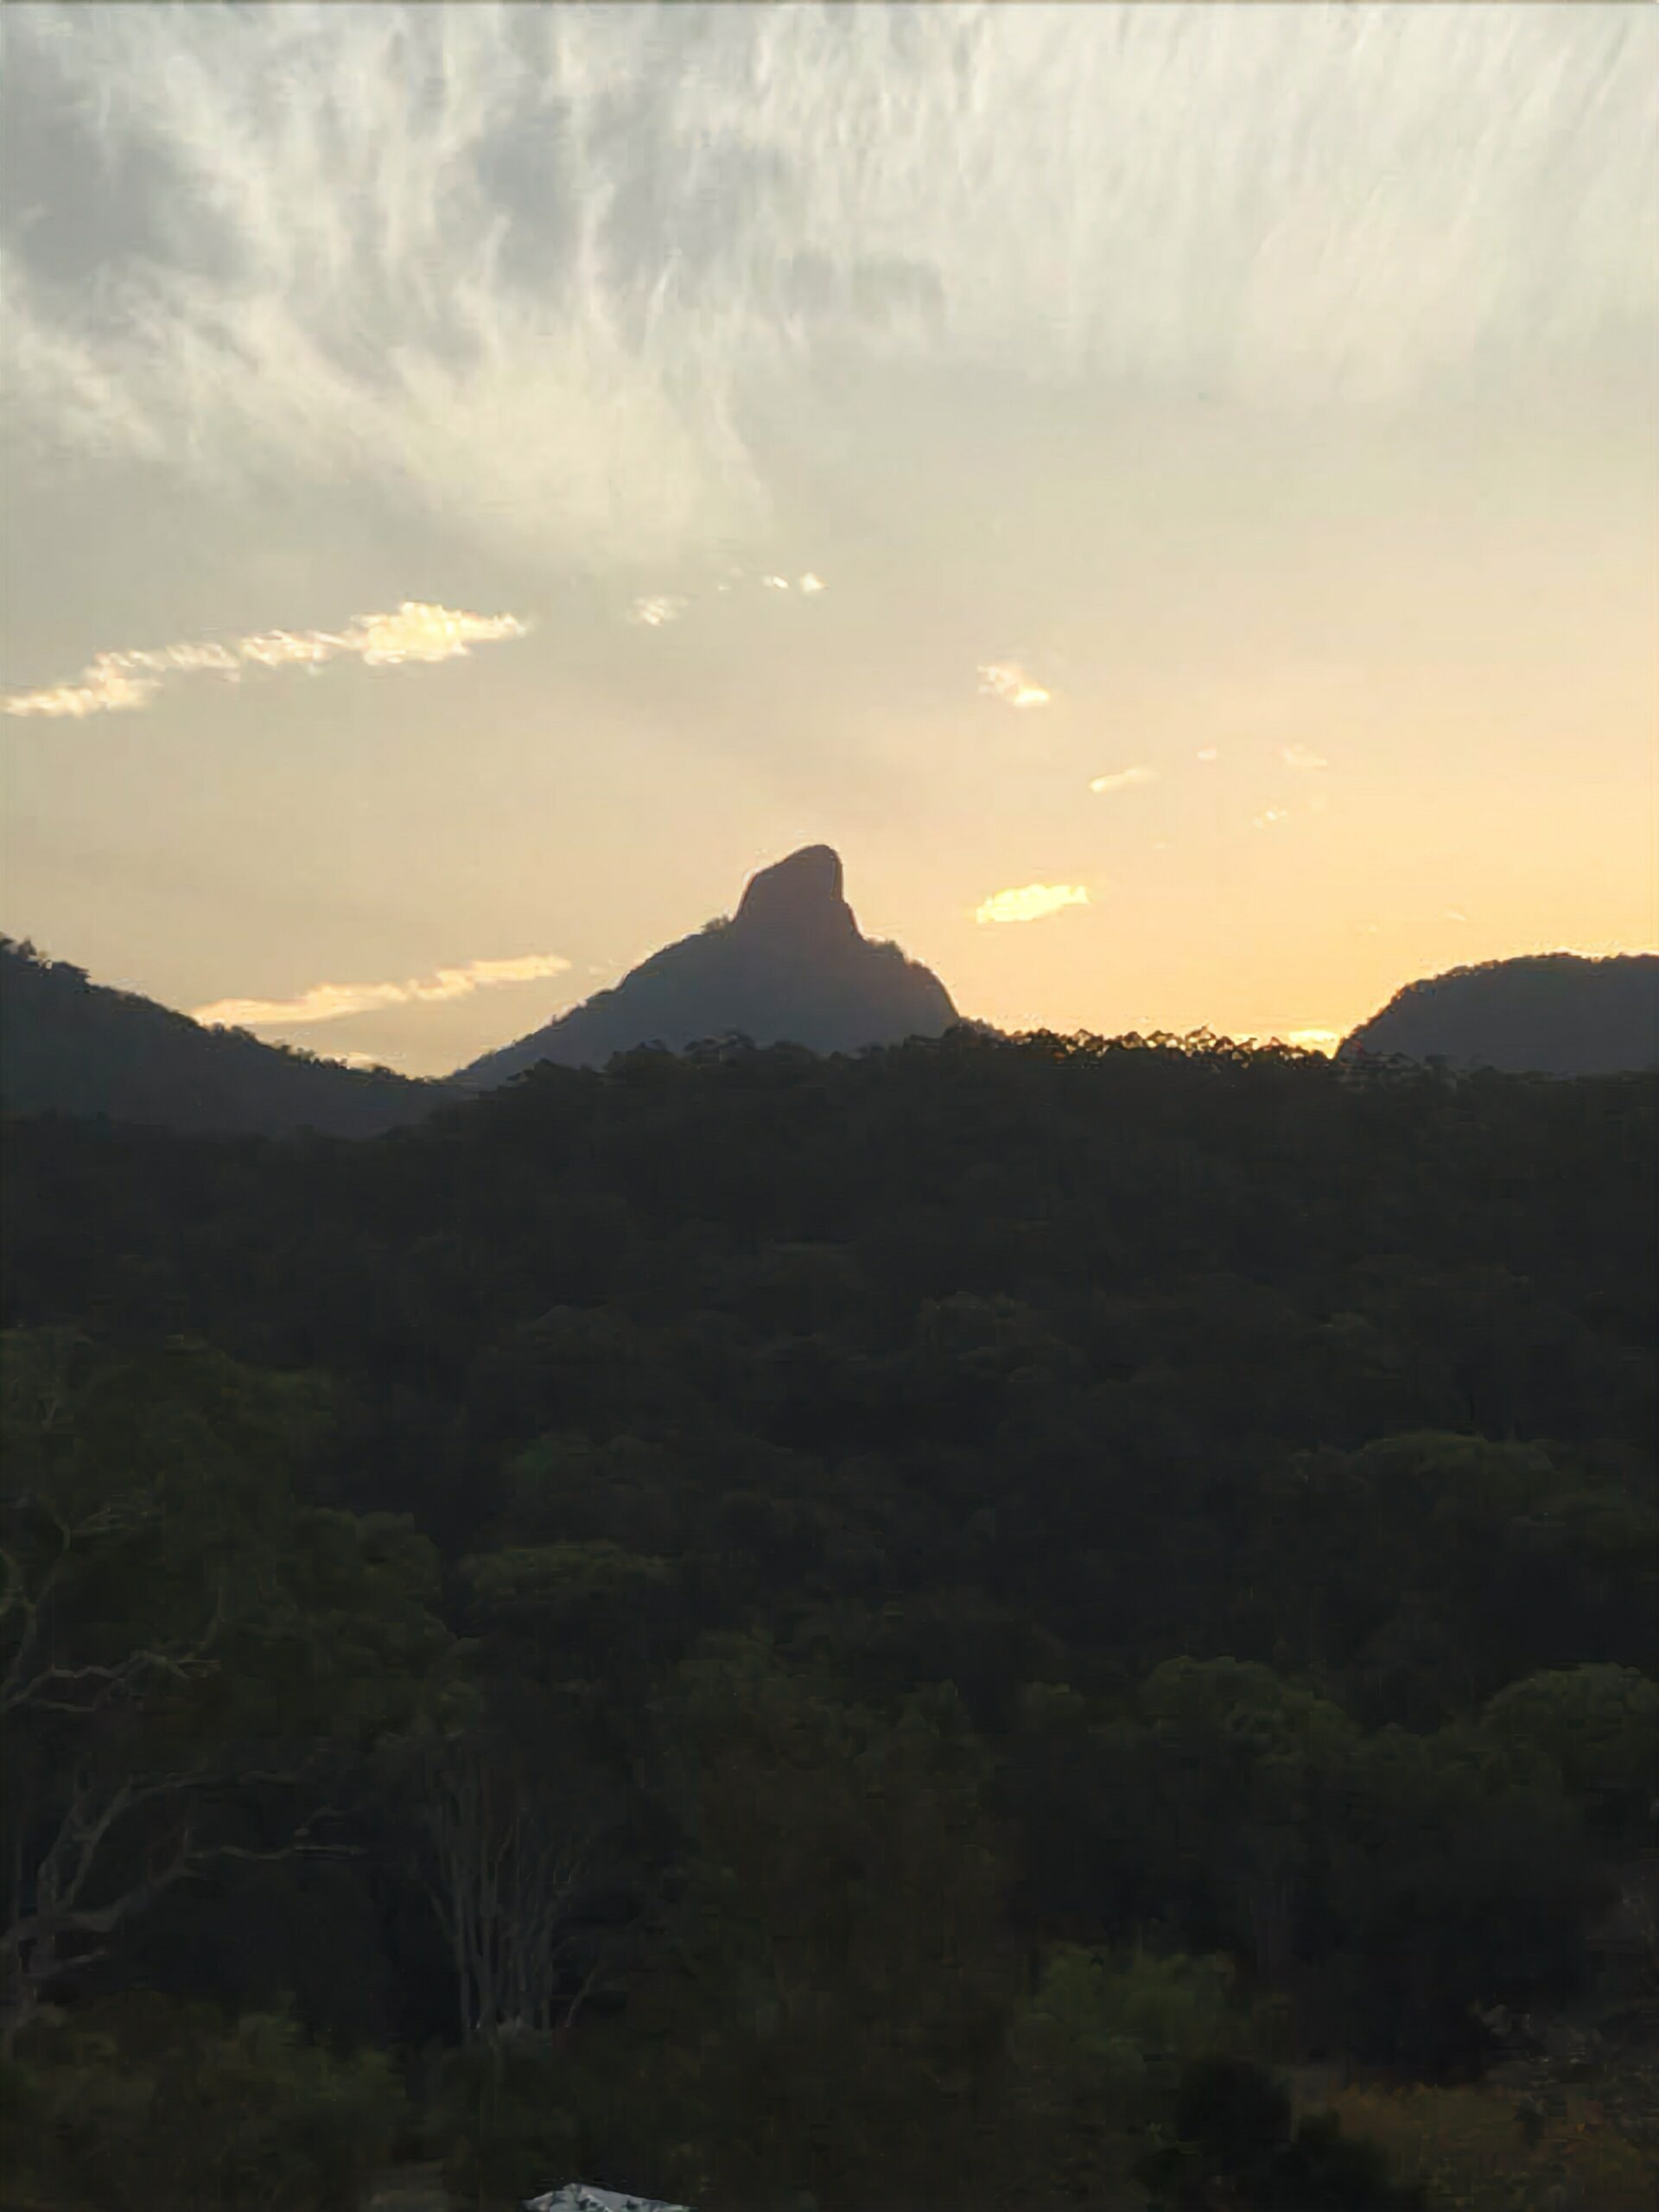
479, 483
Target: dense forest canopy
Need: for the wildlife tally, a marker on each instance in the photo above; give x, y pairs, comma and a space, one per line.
906, 1627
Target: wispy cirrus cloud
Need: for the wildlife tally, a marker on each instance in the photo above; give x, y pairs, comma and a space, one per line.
113, 683
1008, 681
1031, 902
331, 1001
526, 265
1122, 780
1302, 756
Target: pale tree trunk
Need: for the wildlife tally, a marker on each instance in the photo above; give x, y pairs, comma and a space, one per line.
505, 1866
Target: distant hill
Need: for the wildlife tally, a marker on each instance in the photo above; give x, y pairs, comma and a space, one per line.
76, 1047
1548, 1013
791, 967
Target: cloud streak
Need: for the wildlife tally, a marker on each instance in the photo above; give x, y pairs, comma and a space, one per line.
332, 1001
655, 611
113, 683
1031, 902
1124, 779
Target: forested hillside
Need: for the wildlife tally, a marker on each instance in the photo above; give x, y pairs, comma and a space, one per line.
904, 1631
72, 1047
1545, 1014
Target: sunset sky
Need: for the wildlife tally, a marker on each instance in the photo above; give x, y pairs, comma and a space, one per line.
1168, 491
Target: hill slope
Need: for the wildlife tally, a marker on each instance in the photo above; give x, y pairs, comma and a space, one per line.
71, 1046
1548, 1013
790, 967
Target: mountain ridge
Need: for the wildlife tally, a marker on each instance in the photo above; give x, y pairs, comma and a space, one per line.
790, 966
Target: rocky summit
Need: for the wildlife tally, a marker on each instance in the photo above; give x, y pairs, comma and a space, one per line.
791, 966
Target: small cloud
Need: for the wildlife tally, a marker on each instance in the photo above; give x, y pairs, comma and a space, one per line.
330, 1001
775, 583
1007, 680
809, 584
1209, 752
1299, 756
417, 631
651, 613
1265, 820
104, 688
1031, 902
1124, 779
1452, 915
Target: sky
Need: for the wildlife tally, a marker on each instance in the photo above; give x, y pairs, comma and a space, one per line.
1168, 491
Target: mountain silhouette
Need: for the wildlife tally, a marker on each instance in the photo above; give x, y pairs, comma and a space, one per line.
1546, 1013
71, 1046
791, 966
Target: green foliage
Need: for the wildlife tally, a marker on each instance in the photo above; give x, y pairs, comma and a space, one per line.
1113, 2035
503, 2120
1599, 1728
190, 1651
1094, 2055
973, 1578
147, 2107
1233, 2143
1479, 2148
841, 1973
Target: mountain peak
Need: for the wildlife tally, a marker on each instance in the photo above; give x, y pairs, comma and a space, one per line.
790, 967
799, 897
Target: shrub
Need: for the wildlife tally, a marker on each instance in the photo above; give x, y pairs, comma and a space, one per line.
1482, 2148
1233, 2143
144, 2105
502, 2124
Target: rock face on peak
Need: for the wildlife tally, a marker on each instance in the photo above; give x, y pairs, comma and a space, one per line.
1545, 1013
790, 967
799, 899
